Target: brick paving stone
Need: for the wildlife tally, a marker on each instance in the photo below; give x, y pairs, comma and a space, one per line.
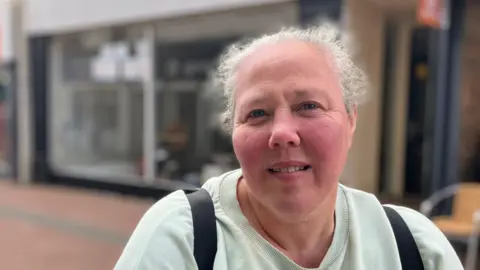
113, 212
26, 246
56, 228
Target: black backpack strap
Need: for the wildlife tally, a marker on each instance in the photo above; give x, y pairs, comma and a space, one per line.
407, 248
204, 228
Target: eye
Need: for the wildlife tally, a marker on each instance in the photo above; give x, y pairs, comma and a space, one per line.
256, 113
308, 106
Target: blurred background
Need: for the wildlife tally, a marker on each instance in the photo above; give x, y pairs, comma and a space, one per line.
106, 106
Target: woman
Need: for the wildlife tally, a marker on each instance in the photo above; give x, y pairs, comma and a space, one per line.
292, 110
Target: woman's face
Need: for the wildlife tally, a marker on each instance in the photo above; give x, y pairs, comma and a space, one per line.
291, 130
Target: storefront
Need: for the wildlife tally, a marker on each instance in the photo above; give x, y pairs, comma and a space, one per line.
133, 106
383, 31
406, 140
121, 101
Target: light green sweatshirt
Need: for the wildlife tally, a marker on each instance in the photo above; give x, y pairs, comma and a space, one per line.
363, 238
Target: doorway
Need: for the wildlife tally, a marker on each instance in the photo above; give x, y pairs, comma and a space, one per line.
416, 112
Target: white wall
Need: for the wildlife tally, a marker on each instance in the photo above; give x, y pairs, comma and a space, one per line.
6, 48
55, 16
366, 20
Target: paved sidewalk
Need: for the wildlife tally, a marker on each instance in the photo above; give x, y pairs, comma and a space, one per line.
45, 227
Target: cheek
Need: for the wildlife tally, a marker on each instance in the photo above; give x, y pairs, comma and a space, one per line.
249, 146
325, 139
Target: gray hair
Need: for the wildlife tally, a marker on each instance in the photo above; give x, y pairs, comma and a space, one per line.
326, 35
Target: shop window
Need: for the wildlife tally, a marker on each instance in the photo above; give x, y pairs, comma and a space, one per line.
191, 141
96, 108
5, 120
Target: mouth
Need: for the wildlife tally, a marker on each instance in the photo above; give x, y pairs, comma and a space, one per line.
290, 169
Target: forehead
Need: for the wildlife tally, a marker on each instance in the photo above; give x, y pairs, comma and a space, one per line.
287, 64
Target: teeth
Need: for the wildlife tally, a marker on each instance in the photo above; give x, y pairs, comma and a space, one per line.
289, 169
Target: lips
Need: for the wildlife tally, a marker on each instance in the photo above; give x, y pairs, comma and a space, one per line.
289, 167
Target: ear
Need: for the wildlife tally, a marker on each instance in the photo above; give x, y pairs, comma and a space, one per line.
352, 124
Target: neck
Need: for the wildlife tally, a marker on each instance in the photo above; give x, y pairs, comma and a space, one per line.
305, 242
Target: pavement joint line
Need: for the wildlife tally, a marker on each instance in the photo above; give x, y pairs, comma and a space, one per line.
71, 227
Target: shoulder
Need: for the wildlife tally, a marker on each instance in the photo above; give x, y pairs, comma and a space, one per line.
163, 238
434, 247
359, 199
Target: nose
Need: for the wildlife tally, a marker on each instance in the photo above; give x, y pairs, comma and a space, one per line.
284, 135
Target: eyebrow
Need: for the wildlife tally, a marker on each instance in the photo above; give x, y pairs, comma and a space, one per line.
301, 93
259, 99
254, 101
